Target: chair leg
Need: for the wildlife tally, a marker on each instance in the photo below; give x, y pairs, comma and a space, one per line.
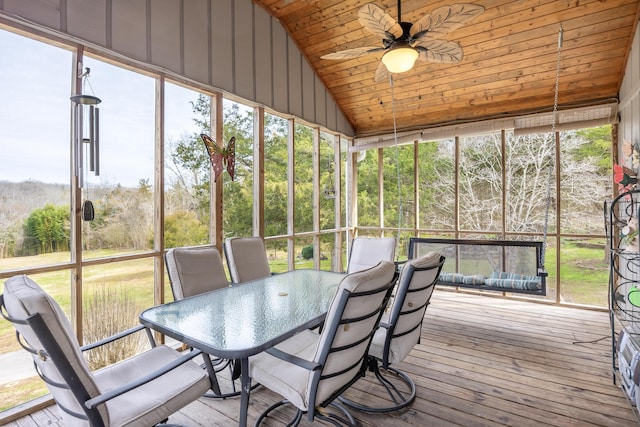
399, 387
294, 421
337, 420
320, 413
165, 423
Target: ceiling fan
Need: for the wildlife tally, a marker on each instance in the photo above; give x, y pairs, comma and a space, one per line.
404, 42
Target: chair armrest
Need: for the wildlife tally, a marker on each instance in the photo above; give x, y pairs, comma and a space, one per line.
399, 265
104, 397
295, 360
112, 338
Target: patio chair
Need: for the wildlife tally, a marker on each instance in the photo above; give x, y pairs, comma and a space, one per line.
246, 258
192, 271
368, 251
142, 390
399, 332
311, 369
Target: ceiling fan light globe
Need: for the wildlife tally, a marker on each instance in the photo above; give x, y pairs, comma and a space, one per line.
400, 59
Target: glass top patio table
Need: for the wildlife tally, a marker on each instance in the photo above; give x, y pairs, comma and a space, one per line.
245, 319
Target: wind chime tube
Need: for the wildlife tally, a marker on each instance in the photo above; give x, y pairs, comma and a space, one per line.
74, 136
96, 141
92, 166
79, 148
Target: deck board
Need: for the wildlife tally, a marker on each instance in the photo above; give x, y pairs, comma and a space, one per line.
482, 361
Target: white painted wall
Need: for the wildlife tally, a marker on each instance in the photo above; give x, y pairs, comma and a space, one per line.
231, 46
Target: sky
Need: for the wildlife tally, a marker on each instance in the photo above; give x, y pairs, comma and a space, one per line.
35, 109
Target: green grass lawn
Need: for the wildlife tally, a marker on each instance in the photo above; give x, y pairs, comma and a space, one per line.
584, 273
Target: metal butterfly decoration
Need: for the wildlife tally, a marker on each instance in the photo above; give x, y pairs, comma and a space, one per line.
221, 157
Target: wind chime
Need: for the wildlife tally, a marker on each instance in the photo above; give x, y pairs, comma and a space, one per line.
86, 137
329, 189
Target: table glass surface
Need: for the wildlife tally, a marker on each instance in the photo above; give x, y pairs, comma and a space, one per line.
244, 319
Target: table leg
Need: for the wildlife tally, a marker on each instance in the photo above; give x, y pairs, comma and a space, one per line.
215, 387
245, 383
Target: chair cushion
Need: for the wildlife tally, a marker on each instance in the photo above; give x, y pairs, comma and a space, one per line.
295, 383
367, 252
146, 405
366, 280
400, 346
22, 298
195, 270
452, 278
288, 380
520, 284
474, 279
246, 258
156, 400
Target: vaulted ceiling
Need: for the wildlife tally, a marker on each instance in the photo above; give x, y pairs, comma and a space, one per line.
508, 68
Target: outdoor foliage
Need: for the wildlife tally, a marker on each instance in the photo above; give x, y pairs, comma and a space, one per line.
529, 174
47, 230
183, 228
189, 166
307, 252
275, 178
108, 311
124, 216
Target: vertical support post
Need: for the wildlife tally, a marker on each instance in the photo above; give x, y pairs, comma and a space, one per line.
76, 200
158, 194
456, 208
503, 177
503, 165
336, 257
416, 189
558, 215
258, 172
215, 188
614, 155
381, 191
291, 200
316, 197
352, 196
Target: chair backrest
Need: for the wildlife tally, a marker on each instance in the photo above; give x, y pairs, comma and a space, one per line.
351, 320
46, 332
393, 342
369, 251
194, 270
246, 258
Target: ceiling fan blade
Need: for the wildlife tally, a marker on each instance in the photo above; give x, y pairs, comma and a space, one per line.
382, 73
442, 51
352, 53
445, 19
380, 23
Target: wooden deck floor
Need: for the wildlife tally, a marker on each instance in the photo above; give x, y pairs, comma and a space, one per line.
482, 361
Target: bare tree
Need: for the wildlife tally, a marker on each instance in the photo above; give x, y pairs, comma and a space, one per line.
529, 184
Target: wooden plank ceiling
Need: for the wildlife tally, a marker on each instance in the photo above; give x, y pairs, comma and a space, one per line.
509, 64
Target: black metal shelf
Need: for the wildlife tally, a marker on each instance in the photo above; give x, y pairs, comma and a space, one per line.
621, 219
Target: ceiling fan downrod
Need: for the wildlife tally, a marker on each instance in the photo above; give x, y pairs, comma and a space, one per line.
406, 26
